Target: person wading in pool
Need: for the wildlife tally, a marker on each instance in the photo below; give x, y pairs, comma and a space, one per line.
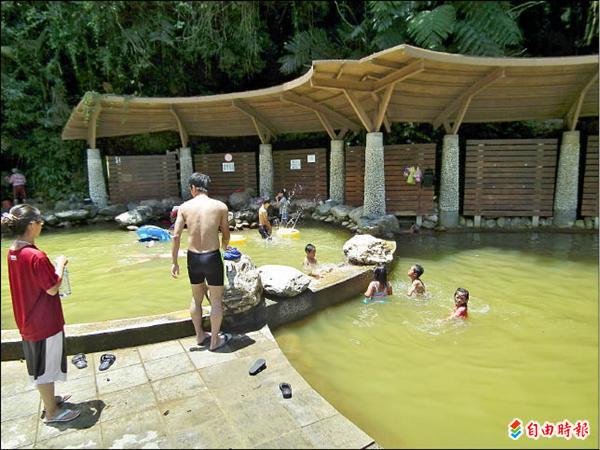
204, 217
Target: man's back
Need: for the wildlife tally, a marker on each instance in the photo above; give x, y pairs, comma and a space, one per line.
203, 216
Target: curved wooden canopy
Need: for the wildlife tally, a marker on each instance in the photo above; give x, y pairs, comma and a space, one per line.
400, 84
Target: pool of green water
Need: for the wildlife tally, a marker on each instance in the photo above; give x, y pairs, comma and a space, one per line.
529, 349
114, 277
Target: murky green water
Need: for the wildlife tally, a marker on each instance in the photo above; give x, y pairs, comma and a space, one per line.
113, 276
528, 350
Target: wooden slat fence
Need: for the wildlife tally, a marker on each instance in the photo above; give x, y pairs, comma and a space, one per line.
589, 200
225, 183
142, 177
513, 177
309, 181
402, 199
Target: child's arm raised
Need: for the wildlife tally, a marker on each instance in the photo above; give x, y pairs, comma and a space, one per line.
370, 290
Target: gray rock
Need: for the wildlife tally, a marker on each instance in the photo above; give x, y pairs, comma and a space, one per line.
71, 215
588, 222
132, 205
329, 219
331, 202
92, 210
244, 289
314, 216
356, 214
132, 227
462, 221
239, 200
345, 223
245, 224
323, 209
169, 202
366, 249
251, 192
428, 225
64, 225
230, 218
50, 219
579, 224
283, 281
61, 205
381, 226
136, 217
306, 205
490, 223
155, 205
432, 218
254, 225
470, 223
112, 210
341, 212
501, 222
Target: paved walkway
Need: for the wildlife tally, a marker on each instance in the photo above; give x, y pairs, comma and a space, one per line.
164, 396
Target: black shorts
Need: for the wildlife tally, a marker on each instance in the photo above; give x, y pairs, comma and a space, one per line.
207, 266
264, 232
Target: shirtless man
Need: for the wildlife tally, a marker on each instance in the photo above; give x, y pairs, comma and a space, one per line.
203, 217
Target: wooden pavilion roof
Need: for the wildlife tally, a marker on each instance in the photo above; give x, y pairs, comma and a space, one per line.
400, 84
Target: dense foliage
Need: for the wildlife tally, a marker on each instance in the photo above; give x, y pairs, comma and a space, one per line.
54, 52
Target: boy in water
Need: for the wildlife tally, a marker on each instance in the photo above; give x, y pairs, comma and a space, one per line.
310, 260
417, 286
264, 226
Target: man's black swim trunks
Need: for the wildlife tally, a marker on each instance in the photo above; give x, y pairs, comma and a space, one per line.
207, 266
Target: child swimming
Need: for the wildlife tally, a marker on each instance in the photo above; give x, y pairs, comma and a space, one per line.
417, 287
310, 263
380, 286
460, 311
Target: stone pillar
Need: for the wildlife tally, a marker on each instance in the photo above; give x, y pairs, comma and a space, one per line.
374, 195
96, 182
186, 168
567, 180
449, 191
337, 171
265, 170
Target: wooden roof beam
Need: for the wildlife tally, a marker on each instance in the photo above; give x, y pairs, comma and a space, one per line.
461, 116
575, 109
326, 125
183, 135
400, 74
380, 115
257, 118
332, 83
468, 94
359, 110
93, 126
309, 103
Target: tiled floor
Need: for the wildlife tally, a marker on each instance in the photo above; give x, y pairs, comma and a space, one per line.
164, 396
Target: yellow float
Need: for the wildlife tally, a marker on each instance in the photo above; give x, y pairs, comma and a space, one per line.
237, 239
288, 233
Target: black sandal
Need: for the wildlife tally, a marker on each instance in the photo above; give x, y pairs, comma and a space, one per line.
106, 361
258, 366
80, 361
286, 390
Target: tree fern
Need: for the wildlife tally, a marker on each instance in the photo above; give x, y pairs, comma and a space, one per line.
429, 29
305, 47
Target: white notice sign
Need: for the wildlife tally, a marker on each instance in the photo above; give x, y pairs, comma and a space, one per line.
311, 158
229, 167
295, 164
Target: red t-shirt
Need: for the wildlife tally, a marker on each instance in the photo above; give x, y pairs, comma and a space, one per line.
461, 312
38, 314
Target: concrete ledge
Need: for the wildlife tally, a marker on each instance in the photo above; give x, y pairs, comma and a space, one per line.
346, 282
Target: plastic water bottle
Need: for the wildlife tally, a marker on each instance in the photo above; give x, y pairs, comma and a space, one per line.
65, 286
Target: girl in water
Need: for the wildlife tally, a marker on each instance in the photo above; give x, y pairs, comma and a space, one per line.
380, 287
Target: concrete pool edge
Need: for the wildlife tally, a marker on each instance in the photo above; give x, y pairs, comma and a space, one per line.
273, 311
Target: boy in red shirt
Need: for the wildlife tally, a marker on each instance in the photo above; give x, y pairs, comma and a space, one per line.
34, 284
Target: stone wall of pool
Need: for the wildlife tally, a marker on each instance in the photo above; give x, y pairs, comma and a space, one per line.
347, 282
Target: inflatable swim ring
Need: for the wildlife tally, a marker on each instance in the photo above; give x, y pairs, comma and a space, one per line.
152, 233
237, 239
288, 232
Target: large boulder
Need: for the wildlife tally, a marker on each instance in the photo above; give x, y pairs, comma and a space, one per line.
341, 212
356, 214
244, 289
72, 215
158, 210
169, 202
61, 205
137, 216
50, 219
239, 200
112, 210
303, 204
323, 209
384, 226
283, 281
366, 249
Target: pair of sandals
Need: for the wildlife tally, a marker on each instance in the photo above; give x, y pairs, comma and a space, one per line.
65, 414
227, 337
260, 365
106, 360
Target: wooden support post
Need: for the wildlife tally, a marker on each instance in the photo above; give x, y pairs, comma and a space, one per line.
575, 109
258, 119
382, 107
92, 126
359, 110
309, 103
326, 125
183, 136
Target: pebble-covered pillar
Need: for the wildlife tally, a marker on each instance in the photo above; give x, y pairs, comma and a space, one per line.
265, 169
567, 180
449, 182
186, 168
337, 174
96, 181
374, 195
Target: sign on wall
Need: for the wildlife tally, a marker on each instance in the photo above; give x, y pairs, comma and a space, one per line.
311, 158
229, 167
295, 164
